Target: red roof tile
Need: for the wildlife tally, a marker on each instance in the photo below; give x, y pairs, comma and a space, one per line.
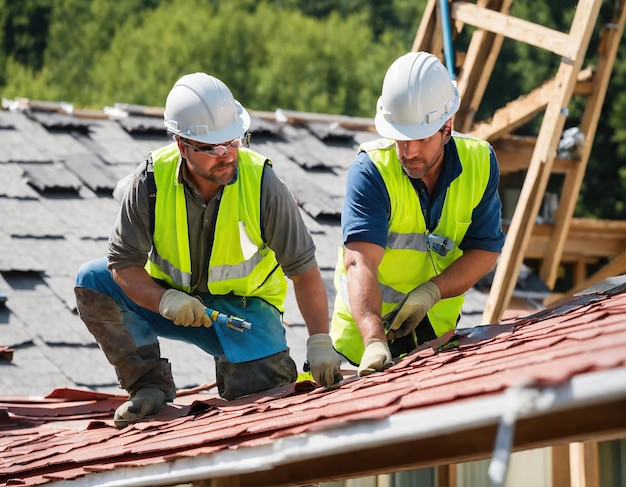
70, 433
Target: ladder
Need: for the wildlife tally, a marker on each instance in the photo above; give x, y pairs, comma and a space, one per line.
493, 24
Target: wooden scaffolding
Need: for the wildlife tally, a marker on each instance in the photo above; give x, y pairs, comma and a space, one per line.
566, 241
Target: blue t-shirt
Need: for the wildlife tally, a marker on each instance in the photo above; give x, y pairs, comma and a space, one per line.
366, 207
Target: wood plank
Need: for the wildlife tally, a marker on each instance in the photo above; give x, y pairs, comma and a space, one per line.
218, 482
609, 43
580, 271
540, 168
516, 113
515, 155
584, 464
560, 465
523, 109
447, 476
514, 28
478, 65
608, 237
355, 123
615, 267
428, 37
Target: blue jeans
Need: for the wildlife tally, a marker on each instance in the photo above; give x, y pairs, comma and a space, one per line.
266, 336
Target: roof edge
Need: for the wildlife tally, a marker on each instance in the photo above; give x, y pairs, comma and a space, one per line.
515, 403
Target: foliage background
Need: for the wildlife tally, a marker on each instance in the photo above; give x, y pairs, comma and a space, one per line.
326, 56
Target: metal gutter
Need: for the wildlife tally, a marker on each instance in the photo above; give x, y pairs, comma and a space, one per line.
521, 402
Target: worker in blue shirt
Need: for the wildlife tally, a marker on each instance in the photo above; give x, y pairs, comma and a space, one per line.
421, 220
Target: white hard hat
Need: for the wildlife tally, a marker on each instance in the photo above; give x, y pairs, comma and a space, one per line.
418, 97
201, 107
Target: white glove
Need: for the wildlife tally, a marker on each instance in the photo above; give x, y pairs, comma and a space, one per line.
376, 357
324, 362
414, 309
183, 309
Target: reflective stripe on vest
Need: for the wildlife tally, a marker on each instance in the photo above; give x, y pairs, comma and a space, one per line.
407, 261
249, 269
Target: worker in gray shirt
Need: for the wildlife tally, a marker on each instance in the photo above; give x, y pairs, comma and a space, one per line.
205, 236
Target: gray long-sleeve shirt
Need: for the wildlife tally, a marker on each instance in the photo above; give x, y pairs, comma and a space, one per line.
283, 227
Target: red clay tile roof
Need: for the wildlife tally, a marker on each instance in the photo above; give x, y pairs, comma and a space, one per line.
70, 434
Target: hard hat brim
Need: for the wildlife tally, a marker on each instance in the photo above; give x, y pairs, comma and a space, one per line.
238, 128
396, 131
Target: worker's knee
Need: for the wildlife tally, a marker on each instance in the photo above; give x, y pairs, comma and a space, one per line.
236, 380
95, 275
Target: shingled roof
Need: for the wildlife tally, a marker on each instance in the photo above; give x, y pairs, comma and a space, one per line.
558, 375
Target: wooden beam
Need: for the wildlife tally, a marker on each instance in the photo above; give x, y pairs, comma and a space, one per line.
219, 482
514, 28
560, 465
615, 267
478, 65
610, 41
580, 272
587, 239
295, 117
516, 113
540, 168
514, 154
584, 467
520, 111
446, 476
384, 480
428, 37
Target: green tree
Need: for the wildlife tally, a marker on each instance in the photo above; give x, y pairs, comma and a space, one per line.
76, 33
270, 57
326, 56
25, 34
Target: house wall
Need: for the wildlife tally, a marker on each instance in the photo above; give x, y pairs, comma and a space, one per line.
526, 468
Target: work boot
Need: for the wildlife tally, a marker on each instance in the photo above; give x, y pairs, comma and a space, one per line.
150, 392
137, 369
237, 380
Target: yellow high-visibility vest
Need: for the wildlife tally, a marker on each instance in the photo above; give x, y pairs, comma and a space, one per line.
407, 261
241, 262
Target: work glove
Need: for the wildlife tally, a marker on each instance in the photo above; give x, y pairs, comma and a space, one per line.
412, 311
376, 357
324, 362
143, 403
183, 309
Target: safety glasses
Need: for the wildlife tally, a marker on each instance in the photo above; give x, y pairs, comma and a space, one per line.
219, 150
